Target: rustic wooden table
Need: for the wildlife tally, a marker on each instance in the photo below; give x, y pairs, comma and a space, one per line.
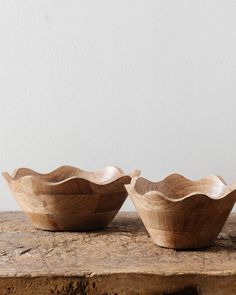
120, 260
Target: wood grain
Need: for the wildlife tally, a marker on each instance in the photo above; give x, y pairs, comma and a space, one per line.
70, 199
122, 259
180, 213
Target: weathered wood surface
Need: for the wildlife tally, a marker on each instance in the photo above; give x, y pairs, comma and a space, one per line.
120, 260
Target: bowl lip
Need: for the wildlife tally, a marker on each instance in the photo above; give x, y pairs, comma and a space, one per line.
87, 175
229, 188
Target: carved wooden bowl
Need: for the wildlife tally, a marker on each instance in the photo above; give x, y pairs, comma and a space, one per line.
180, 213
70, 199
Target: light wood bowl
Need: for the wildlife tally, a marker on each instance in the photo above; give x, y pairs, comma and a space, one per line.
183, 214
70, 199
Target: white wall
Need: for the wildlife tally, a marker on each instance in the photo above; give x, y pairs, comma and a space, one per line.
139, 84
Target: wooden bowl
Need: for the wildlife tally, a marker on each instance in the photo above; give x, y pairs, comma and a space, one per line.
183, 214
70, 199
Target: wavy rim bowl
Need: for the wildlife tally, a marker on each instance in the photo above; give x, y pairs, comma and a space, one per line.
181, 213
66, 172
70, 198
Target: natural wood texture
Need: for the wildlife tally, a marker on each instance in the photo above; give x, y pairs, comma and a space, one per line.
120, 260
183, 214
70, 198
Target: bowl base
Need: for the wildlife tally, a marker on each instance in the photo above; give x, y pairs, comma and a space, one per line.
73, 222
183, 240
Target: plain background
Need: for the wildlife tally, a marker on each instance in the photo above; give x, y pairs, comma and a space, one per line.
138, 84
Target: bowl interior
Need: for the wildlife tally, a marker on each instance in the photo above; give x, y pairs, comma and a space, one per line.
63, 173
176, 186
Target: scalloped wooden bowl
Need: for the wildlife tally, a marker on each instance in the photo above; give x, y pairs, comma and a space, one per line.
70, 199
183, 214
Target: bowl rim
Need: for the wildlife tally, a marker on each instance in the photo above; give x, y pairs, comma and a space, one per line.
89, 176
228, 188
